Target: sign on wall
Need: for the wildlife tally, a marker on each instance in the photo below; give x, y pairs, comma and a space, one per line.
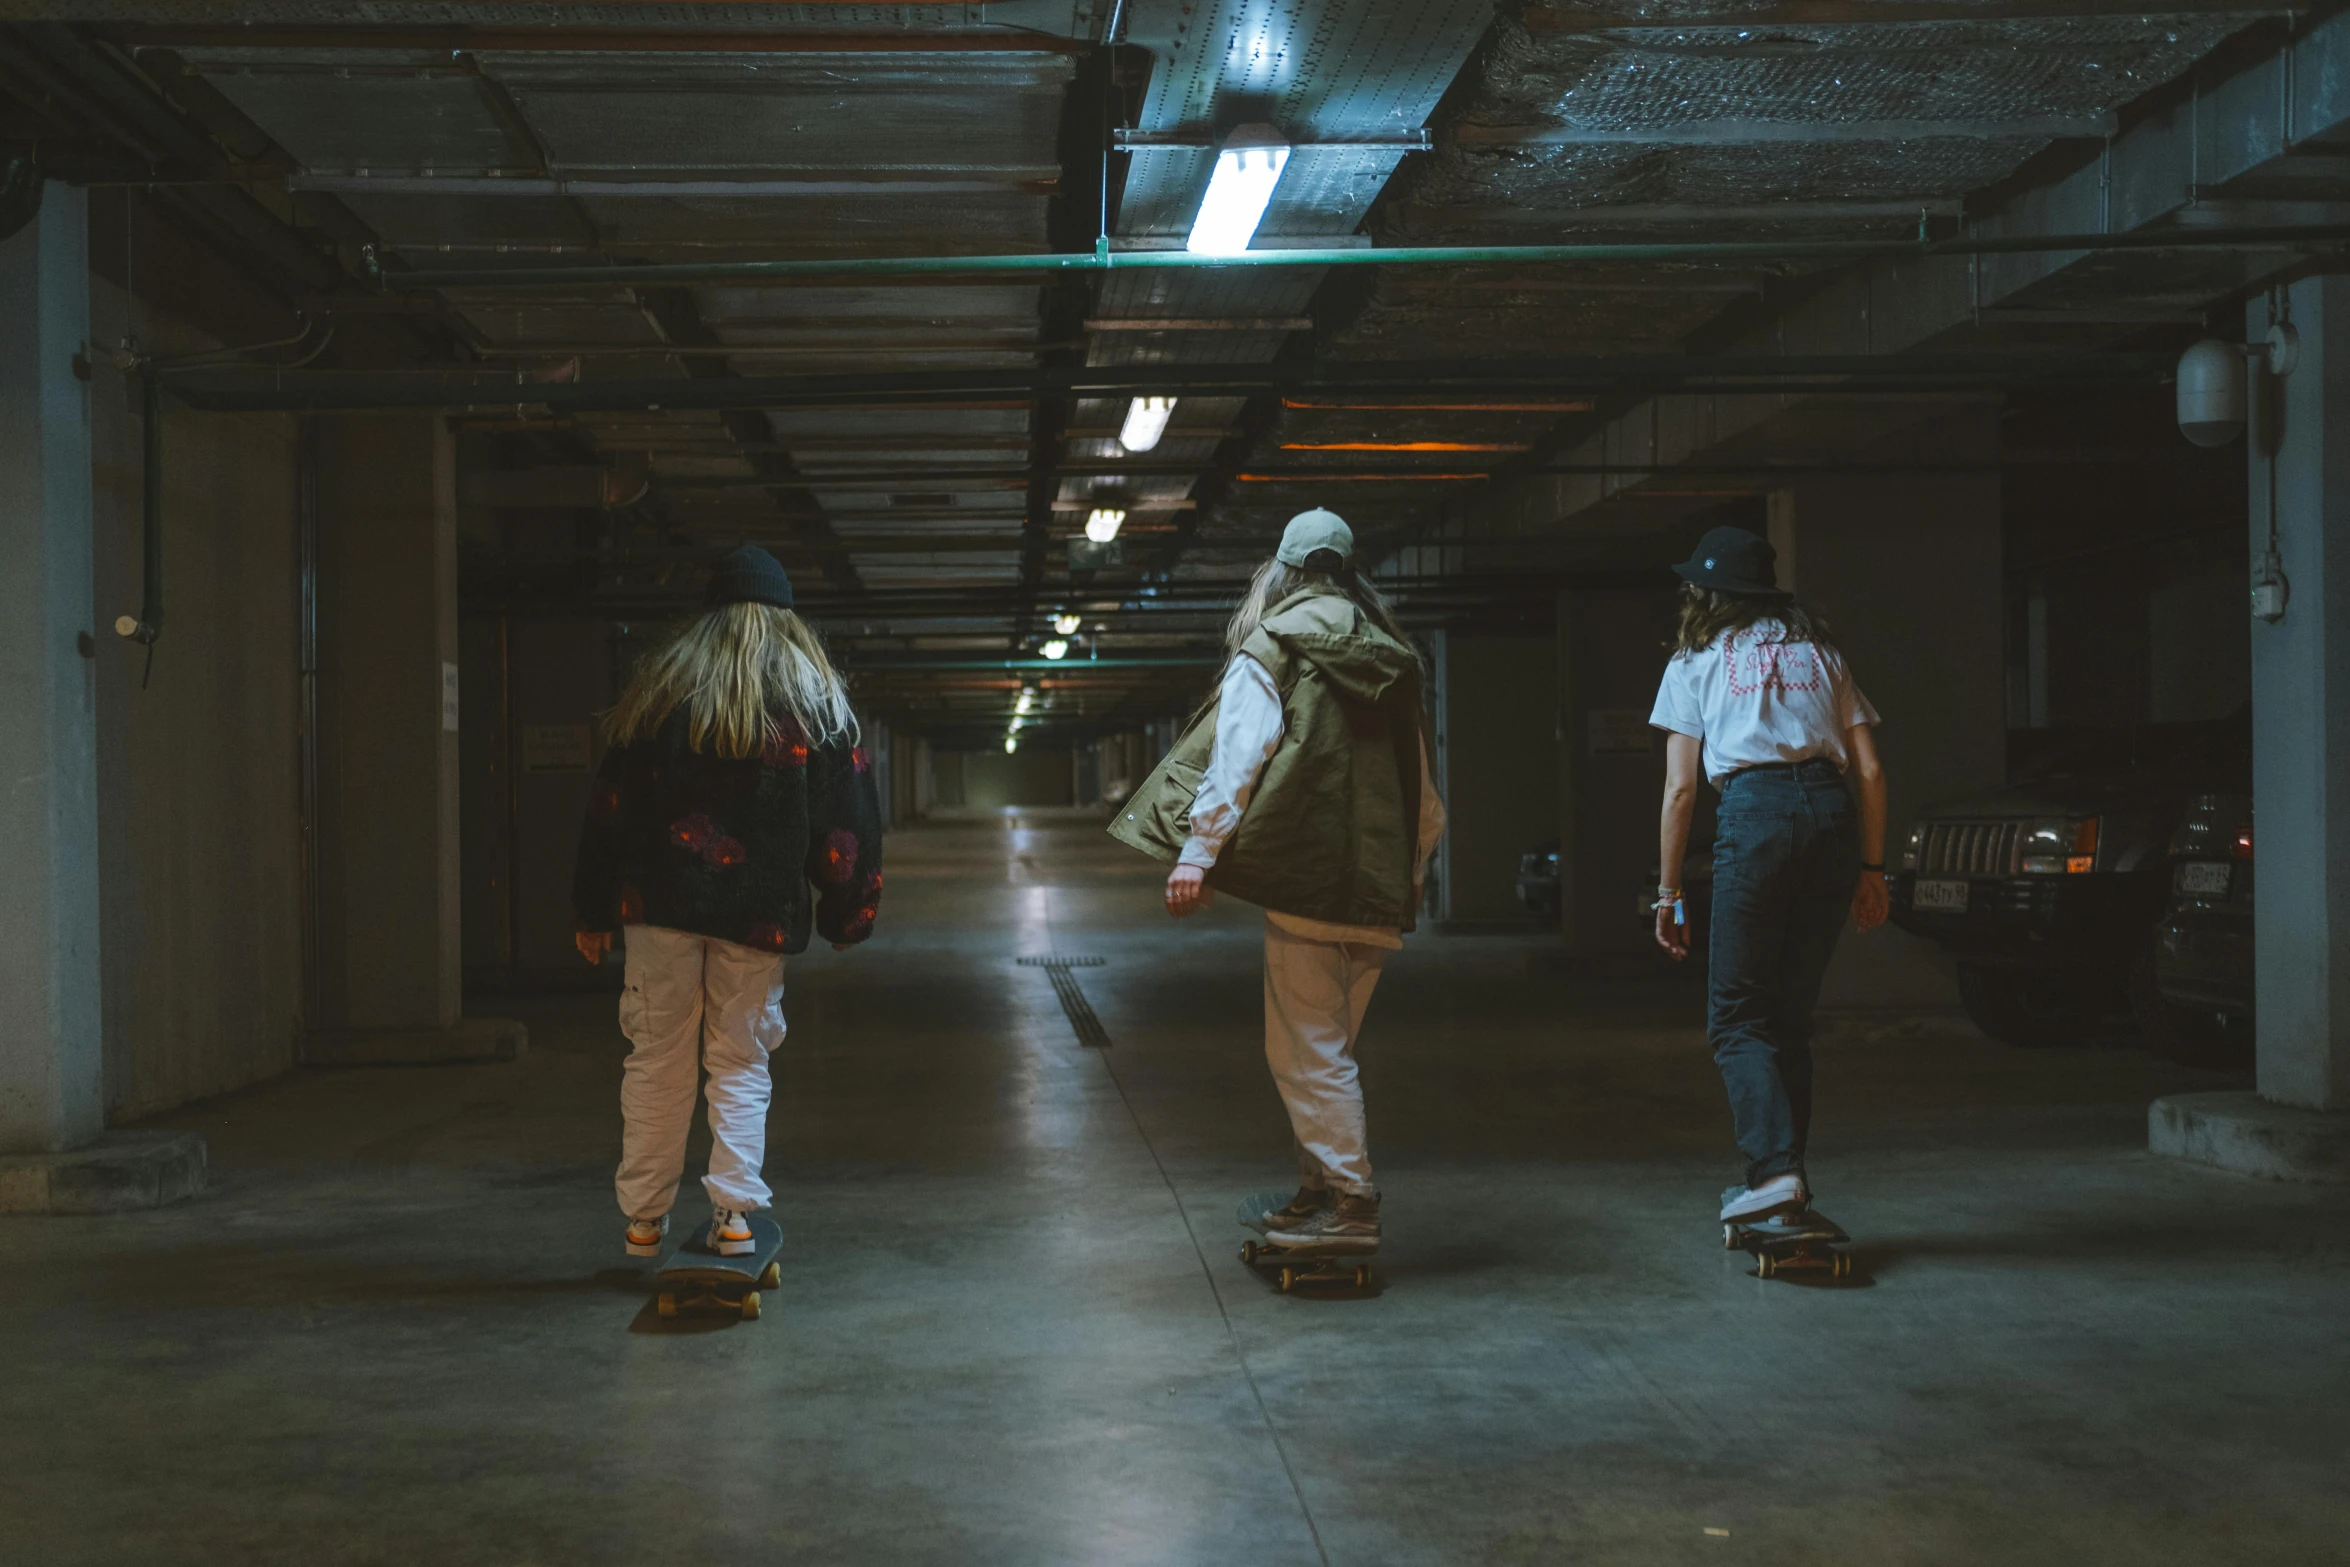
1617, 731
555, 748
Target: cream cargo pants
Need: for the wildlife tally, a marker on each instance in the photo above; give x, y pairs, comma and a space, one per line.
1315, 995
695, 1002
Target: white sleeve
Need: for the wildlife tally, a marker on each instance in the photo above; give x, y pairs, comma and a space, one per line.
1248, 727
1431, 813
1851, 707
1676, 705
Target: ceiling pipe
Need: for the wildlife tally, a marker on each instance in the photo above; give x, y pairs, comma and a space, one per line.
244, 389
1104, 259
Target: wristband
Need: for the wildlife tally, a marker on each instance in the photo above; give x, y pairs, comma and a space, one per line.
1879, 868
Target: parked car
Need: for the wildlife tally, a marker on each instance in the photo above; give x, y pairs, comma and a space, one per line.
1538, 880
2202, 961
2048, 891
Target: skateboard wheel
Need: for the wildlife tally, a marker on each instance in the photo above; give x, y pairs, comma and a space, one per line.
750, 1305
1248, 1251
1289, 1277
1362, 1278
1842, 1267
1729, 1237
665, 1303
771, 1276
1766, 1266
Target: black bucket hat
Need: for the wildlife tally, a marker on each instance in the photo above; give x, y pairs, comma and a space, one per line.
749, 576
1732, 560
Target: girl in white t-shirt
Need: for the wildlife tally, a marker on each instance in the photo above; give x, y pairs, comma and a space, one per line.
1757, 693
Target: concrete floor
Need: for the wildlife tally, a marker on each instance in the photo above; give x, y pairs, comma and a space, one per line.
1013, 1328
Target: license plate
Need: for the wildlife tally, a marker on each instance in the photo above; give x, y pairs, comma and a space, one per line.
2202, 878
1939, 897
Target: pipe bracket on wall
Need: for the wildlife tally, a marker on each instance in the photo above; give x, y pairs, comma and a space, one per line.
147, 624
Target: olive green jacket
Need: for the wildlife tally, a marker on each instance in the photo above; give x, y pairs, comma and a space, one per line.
1332, 831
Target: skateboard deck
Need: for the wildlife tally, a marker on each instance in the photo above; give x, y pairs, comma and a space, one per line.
1803, 1242
694, 1278
1292, 1268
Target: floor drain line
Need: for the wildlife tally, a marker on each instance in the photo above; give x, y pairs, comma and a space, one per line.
1088, 1027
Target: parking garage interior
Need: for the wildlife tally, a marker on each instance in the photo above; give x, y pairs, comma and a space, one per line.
379, 383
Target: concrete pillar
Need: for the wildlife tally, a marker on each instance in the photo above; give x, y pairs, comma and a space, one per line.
391, 954
2294, 1127
1908, 574
54, 1156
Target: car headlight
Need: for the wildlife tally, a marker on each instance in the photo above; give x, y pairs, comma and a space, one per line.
2059, 846
1911, 849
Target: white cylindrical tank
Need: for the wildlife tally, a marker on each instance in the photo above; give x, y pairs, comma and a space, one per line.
2211, 392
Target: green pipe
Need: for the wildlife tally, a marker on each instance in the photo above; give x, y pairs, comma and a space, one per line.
1102, 259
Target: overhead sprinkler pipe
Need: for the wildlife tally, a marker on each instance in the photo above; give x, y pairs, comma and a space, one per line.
1104, 259
147, 625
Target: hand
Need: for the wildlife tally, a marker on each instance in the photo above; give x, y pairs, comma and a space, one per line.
1870, 902
1187, 891
1671, 934
592, 944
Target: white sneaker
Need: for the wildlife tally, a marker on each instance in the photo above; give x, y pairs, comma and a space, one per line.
1752, 1202
730, 1233
646, 1235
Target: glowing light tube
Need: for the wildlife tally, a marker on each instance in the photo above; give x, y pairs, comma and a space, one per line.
1146, 421
1247, 169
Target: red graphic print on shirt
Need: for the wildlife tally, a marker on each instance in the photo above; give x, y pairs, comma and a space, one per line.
632, 907
767, 938
1762, 661
787, 745
840, 856
859, 759
604, 803
701, 837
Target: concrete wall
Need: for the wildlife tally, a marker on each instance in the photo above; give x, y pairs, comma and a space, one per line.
1908, 574
992, 780
1611, 646
389, 921
200, 848
1500, 739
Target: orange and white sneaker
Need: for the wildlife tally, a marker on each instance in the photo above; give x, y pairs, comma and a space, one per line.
646, 1235
730, 1233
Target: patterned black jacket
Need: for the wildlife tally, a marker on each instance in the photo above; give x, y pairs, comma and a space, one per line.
732, 849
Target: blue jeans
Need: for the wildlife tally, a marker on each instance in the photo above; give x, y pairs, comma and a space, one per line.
1786, 860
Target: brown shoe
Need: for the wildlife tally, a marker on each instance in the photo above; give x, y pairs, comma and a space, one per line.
1349, 1225
1309, 1201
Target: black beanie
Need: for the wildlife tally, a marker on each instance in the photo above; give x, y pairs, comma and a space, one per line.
749, 576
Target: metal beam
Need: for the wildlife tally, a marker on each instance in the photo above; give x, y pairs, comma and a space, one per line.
597, 40
1541, 20
1746, 133
506, 185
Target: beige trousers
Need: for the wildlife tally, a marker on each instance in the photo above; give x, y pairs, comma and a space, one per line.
1315, 996
695, 1002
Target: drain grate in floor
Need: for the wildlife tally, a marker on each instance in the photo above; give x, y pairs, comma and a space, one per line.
1088, 1027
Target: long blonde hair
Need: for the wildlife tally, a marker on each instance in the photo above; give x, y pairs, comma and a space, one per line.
1276, 581
734, 668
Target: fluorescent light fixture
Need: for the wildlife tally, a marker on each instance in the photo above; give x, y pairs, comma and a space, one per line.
1065, 624
1027, 701
1055, 649
1010, 745
1146, 421
1248, 166
1104, 524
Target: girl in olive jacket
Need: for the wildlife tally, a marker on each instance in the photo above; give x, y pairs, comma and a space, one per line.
1305, 788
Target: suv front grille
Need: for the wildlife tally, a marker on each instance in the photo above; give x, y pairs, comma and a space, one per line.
1970, 849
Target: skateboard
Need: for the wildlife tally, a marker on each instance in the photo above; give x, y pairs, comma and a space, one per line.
1292, 1269
1783, 1242
694, 1278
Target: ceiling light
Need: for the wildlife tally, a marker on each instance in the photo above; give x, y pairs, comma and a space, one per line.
1055, 649
1027, 701
1065, 624
1104, 524
1010, 745
1247, 169
1146, 421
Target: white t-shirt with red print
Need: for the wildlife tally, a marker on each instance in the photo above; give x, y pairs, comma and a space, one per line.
1755, 697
